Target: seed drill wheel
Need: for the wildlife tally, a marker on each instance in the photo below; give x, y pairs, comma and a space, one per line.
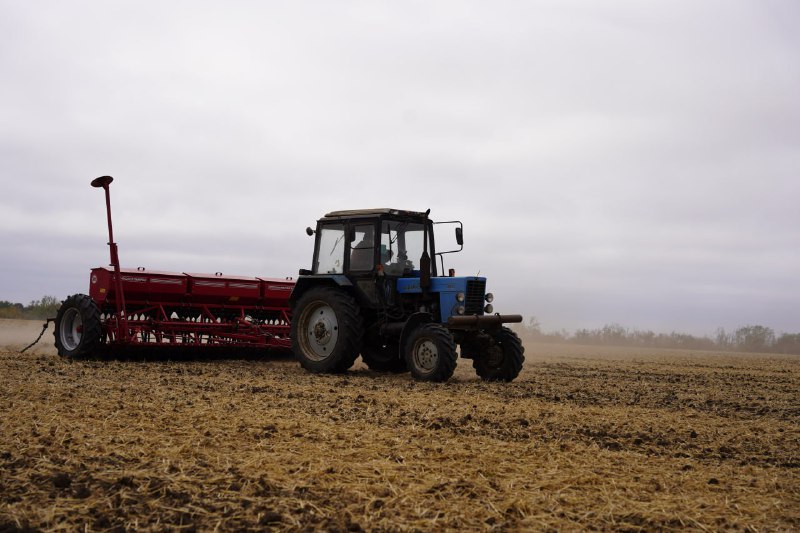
384, 358
327, 330
503, 359
78, 332
431, 353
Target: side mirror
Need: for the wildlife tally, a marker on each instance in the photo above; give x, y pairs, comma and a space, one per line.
351, 235
309, 232
460, 236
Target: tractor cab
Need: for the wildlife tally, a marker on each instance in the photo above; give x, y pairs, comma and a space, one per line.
371, 241
368, 250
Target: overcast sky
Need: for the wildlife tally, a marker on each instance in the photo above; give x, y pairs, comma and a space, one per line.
620, 161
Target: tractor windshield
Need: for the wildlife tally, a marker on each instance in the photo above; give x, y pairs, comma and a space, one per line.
330, 253
402, 246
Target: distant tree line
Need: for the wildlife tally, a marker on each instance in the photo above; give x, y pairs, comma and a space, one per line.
743, 339
47, 307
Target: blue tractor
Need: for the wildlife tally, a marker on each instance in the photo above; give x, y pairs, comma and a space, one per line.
374, 291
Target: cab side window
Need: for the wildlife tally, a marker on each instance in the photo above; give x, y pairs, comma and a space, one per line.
362, 249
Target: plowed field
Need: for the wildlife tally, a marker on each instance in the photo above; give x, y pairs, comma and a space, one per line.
585, 438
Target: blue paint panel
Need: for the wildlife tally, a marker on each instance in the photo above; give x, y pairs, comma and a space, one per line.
440, 284
408, 285
446, 287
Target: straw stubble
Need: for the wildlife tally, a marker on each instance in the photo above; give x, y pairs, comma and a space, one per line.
582, 439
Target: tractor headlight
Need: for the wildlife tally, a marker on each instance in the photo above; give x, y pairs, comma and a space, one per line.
489, 308
489, 297
460, 310
460, 297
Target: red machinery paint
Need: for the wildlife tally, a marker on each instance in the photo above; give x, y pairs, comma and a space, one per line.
148, 307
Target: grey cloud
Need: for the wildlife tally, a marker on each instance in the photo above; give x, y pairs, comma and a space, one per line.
630, 162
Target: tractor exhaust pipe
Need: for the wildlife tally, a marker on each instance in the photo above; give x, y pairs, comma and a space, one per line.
425, 260
122, 319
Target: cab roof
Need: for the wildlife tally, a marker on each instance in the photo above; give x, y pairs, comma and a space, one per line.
374, 212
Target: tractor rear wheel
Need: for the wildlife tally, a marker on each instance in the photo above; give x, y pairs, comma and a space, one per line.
503, 358
384, 358
327, 330
431, 353
78, 330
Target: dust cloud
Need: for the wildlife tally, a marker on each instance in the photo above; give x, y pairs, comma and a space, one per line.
17, 334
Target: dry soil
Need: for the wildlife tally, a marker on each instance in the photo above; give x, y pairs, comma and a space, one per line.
586, 438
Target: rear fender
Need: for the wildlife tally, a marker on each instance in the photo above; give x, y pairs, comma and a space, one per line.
305, 283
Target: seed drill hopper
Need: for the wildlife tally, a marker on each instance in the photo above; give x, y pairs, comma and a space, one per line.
141, 307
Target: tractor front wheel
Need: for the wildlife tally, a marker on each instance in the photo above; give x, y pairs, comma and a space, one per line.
78, 330
431, 353
502, 360
327, 330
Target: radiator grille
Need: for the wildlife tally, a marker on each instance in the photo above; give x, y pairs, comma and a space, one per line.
474, 301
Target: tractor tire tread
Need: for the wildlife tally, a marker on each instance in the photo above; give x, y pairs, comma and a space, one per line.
513, 358
351, 330
447, 360
92, 335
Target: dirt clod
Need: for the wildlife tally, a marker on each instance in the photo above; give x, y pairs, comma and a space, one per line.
62, 480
